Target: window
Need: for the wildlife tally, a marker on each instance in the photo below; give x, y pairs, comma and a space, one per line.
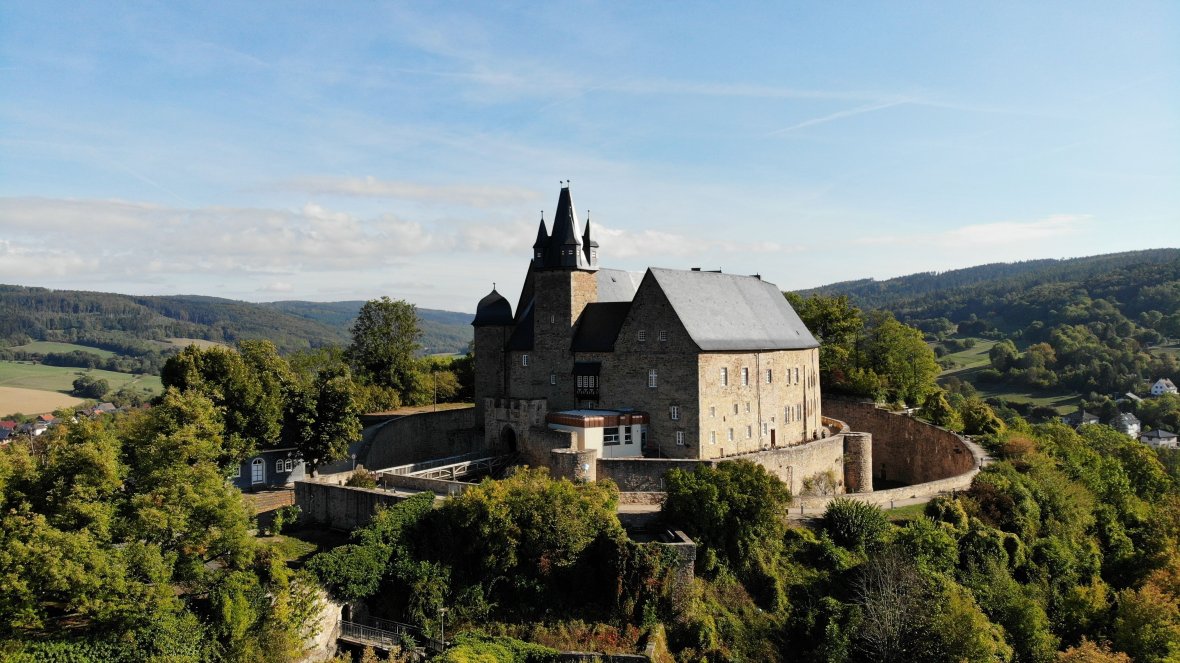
674, 411
735, 408
553, 378
651, 378
787, 414
731, 435
663, 335
289, 465
796, 375
626, 434
749, 432
581, 381
238, 471
764, 429
768, 380
724, 377
712, 437
745, 376
642, 335
610, 437
524, 360
747, 407
680, 438
279, 465
712, 410
257, 471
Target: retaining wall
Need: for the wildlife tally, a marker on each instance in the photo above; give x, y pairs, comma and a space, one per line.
340, 507
417, 437
906, 449
419, 484
791, 464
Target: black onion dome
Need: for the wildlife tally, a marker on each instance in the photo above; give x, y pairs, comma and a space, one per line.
493, 310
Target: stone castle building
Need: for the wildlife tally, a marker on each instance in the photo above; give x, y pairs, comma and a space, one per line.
664, 363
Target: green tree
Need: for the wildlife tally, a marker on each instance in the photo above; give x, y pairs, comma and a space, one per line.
384, 344
322, 418
940, 413
89, 387
899, 354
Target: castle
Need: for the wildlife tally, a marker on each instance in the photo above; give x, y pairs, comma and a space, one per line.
660, 364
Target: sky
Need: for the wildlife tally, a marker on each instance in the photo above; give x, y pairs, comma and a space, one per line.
348, 150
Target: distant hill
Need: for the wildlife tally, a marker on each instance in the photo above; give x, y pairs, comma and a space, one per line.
1009, 296
123, 323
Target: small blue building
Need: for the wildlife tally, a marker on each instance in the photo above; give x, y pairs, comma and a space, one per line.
281, 467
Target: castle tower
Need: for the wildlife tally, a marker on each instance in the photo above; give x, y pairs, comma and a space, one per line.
564, 284
493, 324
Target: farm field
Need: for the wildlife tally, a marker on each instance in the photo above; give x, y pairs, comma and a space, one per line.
182, 343
60, 380
33, 401
45, 347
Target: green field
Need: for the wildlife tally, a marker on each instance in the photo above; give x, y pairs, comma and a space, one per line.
45, 347
61, 378
975, 357
182, 343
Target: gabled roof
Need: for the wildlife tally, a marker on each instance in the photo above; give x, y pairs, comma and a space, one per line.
599, 325
616, 285
728, 312
1159, 434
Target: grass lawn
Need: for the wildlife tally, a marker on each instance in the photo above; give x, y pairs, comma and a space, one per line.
45, 347
904, 513
60, 379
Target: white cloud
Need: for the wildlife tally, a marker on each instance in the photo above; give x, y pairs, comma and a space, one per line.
999, 233
482, 196
624, 244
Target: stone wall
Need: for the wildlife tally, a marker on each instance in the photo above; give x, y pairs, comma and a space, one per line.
905, 449
420, 484
858, 462
573, 464
417, 437
791, 464
339, 507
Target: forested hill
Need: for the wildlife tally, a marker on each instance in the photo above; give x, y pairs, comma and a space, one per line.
1010, 296
101, 319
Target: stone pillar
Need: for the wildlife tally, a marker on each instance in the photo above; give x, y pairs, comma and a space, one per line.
858, 463
574, 464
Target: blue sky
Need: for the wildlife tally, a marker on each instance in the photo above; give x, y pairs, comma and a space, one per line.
348, 150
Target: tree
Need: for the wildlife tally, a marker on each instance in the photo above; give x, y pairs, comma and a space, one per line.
736, 510
899, 354
854, 524
384, 342
940, 413
322, 417
89, 387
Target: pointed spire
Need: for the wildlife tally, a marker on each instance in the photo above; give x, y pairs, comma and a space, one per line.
542, 234
589, 246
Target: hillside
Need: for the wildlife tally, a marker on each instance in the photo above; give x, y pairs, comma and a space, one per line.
127, 324
1011, 295
1090, 325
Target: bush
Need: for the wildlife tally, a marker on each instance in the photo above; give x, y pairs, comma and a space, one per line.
362, 478
285, 517
854, 524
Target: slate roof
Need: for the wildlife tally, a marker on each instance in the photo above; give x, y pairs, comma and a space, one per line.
1158, 434
599, 325
492, 310
522, 337
617, 285
730, 312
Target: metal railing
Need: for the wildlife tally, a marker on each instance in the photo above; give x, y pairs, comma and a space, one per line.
414, 468
386, 634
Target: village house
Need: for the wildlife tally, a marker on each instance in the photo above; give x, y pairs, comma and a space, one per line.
1160, 439
1163, 386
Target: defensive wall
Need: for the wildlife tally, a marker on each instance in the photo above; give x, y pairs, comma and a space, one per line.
417, 437
906, 450
791, 464
326, 501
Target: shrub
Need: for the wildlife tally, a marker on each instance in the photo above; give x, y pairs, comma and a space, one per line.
854, 524
362, 478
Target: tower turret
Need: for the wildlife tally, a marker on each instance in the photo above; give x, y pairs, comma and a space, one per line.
564, 250
589, 246
541, 244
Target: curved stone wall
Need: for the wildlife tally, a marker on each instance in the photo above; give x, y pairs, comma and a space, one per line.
906, 450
